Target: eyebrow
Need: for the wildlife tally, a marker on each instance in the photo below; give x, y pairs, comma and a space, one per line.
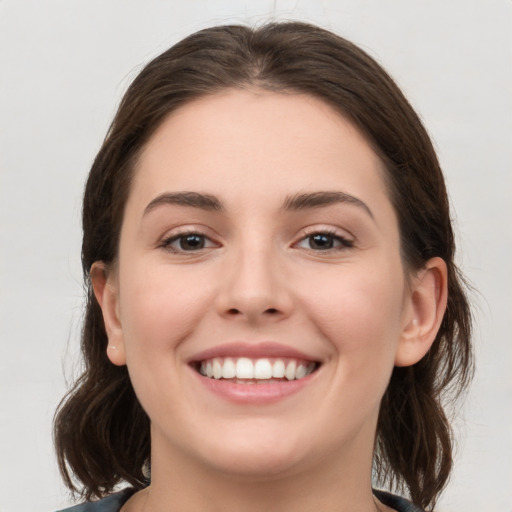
193, 199
320, 199
297, 202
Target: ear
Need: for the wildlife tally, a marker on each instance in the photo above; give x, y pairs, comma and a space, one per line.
106, 290
427, 301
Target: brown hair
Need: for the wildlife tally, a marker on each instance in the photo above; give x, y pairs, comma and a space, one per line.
101, 431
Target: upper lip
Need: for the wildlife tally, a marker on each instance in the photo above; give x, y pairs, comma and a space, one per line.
264, 349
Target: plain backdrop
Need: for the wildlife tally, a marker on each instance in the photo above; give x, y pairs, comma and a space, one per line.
63, 68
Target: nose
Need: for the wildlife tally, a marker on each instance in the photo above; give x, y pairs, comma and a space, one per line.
254, 287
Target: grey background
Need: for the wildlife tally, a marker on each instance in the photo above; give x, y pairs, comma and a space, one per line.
63, 68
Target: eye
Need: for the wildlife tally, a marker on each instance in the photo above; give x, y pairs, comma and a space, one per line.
324, 241
187, 242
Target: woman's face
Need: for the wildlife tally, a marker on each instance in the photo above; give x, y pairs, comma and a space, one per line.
258, 247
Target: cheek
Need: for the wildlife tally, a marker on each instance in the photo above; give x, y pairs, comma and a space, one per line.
359, 313
160, 308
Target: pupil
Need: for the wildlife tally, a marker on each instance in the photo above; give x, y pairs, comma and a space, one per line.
321, 242
192, 242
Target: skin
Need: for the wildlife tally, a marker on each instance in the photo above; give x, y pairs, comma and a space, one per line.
353, 307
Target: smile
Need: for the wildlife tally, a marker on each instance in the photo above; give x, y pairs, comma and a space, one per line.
244, 370
261, 373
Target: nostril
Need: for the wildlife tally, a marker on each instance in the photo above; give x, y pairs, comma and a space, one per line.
234, 311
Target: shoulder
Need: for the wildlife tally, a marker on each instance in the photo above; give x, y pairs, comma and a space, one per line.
396, 502
112, 503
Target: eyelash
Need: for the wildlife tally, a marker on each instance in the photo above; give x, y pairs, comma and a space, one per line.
167, 242
330, 235
333, 236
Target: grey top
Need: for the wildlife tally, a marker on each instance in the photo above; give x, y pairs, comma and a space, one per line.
114, 502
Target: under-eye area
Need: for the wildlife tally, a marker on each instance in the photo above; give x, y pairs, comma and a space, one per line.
244, 370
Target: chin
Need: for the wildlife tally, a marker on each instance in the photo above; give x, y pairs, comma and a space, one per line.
257, 465
256, 456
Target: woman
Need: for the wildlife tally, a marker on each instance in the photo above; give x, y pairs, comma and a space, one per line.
274, 313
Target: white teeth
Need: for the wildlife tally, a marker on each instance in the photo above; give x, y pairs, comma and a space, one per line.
259, 371
229, 369
278, 369
289, 373
217, 368
262, 369
301, 372
244, 368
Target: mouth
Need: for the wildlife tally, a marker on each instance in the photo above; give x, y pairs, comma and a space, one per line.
263, 370
258, 374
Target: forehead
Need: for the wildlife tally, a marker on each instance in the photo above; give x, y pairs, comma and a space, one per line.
257, 144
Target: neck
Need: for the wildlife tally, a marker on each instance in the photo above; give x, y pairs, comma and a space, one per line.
340, 484
222, 494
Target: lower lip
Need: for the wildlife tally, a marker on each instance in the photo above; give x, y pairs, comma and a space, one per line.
254, 393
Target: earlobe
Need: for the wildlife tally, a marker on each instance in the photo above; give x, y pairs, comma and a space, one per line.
428, 299
105, 289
